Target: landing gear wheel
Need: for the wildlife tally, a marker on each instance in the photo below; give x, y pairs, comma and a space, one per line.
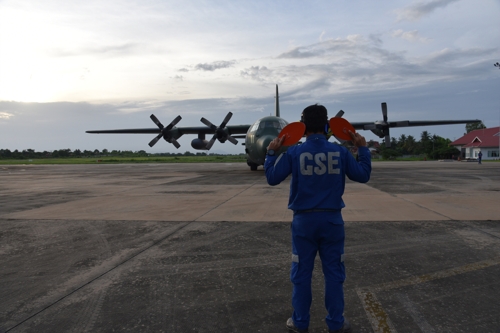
252, 166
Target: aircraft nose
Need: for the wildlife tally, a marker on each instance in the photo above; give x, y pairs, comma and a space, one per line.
263, 142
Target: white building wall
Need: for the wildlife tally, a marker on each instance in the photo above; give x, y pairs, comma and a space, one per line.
488, 153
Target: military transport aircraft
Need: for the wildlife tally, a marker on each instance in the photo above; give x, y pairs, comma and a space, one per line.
259, 134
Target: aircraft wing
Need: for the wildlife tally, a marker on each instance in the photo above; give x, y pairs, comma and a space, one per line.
127, 131
234, 129
171, 133
381, 127
225, 133
409, 123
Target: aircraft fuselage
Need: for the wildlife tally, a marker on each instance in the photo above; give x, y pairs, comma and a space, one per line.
258, 137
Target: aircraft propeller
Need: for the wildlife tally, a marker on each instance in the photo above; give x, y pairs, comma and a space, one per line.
165, 131
220, 134
381, 128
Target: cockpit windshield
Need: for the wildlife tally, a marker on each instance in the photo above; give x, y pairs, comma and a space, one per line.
254, 127
267, 124
278, 124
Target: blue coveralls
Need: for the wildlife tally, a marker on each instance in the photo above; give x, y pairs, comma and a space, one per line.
318, 169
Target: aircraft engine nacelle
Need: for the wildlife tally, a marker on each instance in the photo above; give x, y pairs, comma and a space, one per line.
378, 132
199, 144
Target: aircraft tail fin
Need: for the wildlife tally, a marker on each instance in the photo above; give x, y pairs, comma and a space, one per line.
277, 108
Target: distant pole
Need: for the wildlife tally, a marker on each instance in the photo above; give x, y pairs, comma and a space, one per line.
277, 106
497, 65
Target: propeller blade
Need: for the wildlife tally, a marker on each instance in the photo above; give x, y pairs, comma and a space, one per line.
384, 111
219, 131
387, 140
156, 121
155, 140
173, 123
165, 131
232, 140
175, 143
226, 120
211, 142
208, 123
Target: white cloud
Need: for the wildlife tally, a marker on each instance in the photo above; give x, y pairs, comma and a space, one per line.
214, 65
416, 11
326, 47
322, 35
6, 115
102, 51
258, 73
145, 106
412, 36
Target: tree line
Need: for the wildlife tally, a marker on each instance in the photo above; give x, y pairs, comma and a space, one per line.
430, 146
77, 153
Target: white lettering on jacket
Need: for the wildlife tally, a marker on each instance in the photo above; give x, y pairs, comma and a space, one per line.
319, 167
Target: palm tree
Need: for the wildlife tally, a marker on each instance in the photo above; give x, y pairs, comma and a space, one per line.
410, 145
425, 143
402, 143
474, 126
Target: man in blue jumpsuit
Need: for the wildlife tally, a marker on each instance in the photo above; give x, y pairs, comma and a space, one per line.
318, 170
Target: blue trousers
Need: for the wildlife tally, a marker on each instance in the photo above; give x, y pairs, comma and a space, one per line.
314, 232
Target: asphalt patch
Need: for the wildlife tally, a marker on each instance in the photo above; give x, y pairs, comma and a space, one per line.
20, 202
225, 178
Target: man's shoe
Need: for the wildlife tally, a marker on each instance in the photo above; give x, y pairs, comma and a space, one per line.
292, 328
346, 328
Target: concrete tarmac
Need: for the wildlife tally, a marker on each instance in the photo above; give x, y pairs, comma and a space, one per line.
206, 248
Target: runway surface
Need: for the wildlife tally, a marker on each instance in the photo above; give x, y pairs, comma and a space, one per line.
206, 248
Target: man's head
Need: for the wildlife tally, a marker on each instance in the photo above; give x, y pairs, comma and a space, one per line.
315, 117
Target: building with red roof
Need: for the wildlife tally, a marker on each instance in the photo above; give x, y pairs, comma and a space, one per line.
486, 140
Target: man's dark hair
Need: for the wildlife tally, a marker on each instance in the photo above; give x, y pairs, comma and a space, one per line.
315, 117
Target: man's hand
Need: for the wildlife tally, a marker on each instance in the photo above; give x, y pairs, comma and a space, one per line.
357, 139
276, 143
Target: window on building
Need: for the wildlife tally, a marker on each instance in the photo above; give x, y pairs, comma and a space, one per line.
493, 153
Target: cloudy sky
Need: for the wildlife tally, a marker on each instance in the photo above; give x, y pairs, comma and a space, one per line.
71, 66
